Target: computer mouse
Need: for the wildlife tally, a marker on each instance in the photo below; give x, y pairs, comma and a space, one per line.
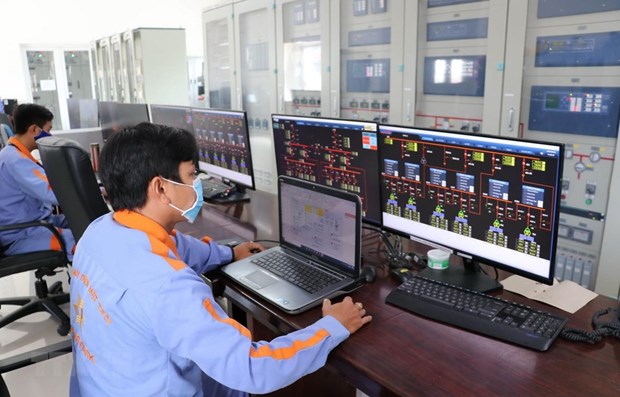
402, 274
255, 250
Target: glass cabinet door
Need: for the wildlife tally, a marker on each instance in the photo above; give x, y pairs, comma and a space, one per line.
128, 66
43, 79
371, 60
219, 51
303, 34
459, 65
256, 82
81, 106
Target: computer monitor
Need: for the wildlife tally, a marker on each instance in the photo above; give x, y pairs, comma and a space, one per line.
172, 116
114, 116
488, 199
332, 152
224, 148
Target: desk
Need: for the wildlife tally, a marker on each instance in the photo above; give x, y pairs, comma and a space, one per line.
402, 354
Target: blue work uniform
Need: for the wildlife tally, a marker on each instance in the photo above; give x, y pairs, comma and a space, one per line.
26, 196
144, 323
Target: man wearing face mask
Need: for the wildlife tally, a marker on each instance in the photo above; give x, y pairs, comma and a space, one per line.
25, 194
143, 321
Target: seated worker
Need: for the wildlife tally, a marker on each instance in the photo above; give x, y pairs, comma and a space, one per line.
144, 323
8, 110
25, 194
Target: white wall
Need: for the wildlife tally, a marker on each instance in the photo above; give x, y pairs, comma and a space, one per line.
62, 22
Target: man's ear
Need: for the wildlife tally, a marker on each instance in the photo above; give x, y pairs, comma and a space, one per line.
33, 129
157, 190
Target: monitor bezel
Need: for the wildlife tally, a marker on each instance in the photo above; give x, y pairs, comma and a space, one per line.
205, 167
365, 219
116, 105
468, 255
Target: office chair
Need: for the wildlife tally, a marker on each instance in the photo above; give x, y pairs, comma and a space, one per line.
44, 263
71, 176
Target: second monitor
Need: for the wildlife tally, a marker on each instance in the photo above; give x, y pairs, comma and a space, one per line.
224, 146
332, 152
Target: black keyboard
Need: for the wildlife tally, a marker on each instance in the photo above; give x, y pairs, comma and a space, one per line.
215, 189
296, 272
474, 311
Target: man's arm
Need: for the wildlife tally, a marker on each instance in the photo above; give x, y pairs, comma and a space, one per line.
188, 322
32, 180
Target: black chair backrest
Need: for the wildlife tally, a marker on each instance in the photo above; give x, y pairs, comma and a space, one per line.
73, 180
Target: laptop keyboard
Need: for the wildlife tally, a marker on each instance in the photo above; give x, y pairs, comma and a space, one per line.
296, 272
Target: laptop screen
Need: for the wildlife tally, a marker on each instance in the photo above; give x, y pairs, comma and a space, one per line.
322, 222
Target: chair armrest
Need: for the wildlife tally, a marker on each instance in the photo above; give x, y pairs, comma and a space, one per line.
44, 224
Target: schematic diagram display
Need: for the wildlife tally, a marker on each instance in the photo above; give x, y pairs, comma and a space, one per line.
337, 153
495, 197
223, 144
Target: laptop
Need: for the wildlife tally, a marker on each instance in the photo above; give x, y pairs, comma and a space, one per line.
320, 232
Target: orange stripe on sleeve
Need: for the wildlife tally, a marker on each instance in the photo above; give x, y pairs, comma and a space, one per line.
54, 243
43, 178
282, 353
242, 330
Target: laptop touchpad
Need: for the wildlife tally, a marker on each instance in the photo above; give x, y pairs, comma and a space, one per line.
260, 279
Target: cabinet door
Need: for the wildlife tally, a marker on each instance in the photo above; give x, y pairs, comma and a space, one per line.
256, 82
303, 46
569, 92
220, 66
459, 62
369, 76
128, 66
116, 68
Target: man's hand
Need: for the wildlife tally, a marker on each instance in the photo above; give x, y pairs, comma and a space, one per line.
351, 315
246, 249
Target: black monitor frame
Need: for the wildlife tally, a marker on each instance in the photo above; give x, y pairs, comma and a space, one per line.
114, 116
370, 198
206, 141
451, 150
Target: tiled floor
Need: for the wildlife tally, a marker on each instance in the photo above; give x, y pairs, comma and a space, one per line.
36, 331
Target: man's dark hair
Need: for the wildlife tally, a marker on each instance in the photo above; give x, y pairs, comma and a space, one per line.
132, 157
28, 114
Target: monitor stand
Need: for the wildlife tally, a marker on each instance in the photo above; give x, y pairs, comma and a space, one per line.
468, 276
237, 195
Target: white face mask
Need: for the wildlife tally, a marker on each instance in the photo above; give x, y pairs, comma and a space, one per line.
192, 212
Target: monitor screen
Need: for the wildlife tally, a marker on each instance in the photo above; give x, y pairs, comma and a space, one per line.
172, 116
332, 152
454, 75
490, 199
224, 144
114, 116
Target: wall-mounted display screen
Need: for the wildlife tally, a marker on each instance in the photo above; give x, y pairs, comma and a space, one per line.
561, 8
455, 75
368, 75
594, 49
590, 111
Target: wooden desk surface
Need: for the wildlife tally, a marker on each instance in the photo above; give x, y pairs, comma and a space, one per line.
402, 354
